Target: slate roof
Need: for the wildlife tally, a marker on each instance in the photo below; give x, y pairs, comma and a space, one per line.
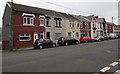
110, 23
101, 20
89, 17
82, 18
36, 10
69, 16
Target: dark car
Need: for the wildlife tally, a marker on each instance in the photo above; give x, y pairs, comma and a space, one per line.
107, 37
99, 38
42, 43
86, 39
67, 41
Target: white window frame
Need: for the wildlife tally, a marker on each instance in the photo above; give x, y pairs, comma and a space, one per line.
31, 19
81, 25
41, 16
25, 35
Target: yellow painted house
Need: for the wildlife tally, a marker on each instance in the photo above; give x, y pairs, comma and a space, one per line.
72, 26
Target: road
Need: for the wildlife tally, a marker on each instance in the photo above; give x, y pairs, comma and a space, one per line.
85, 57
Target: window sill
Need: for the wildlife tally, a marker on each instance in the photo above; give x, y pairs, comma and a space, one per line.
28, 25
48, 26
24, 40
58, 26
42, 25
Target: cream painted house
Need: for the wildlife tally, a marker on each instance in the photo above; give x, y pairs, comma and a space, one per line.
72, 26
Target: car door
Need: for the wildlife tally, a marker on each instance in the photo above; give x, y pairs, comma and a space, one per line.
73, 41
45, 43
68, 40
89, 39
50, 43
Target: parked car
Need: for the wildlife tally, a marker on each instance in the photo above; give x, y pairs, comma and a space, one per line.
99, 38
113, 35
67, 41
42, 43
107, 37
86, 39
118, 35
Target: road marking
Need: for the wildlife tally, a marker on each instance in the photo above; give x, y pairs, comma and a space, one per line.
114, 64
110, 66
105, 69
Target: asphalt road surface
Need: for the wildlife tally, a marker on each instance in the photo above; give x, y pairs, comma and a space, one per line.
85, 57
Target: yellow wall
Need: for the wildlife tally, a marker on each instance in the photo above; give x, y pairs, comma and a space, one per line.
71, 29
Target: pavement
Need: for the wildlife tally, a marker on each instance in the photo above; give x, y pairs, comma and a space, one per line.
89, 57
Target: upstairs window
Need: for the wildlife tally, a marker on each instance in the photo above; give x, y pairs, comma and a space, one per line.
28, 19
42, 20
81, 25
58, 22
24, 37
70, 23
48, 23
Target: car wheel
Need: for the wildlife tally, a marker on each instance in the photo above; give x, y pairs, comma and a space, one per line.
54, 45
86, 41
99, 40
77, 42
92, 40
66, 43
41, 47
35, 47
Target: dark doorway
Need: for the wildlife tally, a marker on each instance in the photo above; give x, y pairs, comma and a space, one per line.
48, 35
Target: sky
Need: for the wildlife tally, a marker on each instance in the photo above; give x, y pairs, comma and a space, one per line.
102, 8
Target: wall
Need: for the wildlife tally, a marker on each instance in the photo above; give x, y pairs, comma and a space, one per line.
19, 28
6, 28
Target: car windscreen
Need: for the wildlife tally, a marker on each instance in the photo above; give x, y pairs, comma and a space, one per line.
61, 38
96, 37
41, 40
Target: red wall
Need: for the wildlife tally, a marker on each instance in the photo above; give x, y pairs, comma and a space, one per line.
110, 28
20, 29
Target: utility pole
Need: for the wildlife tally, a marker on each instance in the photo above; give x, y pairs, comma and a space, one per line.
11, 28
112, 25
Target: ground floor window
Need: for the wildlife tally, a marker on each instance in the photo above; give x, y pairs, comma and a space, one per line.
69, 34
24, 37
57, 36
77, 35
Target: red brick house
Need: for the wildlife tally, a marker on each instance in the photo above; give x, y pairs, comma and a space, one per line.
109, 27
85, 26
27, 25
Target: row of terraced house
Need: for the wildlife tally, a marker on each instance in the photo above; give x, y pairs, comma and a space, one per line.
30, 23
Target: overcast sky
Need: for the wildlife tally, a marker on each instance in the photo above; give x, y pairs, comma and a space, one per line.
101, 8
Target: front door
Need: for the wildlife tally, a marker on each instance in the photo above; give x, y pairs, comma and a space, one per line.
48, 35
35, 36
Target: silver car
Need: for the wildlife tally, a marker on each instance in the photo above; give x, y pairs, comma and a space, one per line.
99, 38
113, 35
